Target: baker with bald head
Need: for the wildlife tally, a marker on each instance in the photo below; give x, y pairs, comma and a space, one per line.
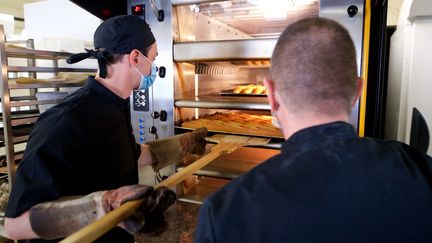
327, 184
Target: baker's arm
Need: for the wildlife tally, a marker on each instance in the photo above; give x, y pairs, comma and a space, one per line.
62, 217
145, 157
19, 228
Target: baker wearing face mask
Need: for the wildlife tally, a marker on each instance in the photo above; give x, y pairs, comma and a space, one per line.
81, 160
147, 80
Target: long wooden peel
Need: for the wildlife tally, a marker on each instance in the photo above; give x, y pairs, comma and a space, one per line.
227, 144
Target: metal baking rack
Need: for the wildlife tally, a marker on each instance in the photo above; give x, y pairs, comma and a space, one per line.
20, 112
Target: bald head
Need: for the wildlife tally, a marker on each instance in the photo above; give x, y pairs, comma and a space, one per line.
314, 68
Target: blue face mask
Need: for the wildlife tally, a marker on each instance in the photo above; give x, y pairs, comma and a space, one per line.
147, 80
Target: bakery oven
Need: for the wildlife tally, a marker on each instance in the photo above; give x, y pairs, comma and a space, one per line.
217, 54
214, 56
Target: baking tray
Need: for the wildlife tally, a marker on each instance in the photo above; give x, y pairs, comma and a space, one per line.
187, 129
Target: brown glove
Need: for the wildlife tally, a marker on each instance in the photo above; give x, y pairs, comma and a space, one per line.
60, 218
173, 149
149, 219
112, 199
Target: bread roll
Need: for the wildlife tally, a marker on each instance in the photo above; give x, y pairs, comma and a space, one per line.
259, 89
248, 89
238, 89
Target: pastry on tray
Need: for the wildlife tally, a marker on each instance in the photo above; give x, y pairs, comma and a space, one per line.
236, 122
60, 77
250, 89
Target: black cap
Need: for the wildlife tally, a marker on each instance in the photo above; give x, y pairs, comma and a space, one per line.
117, 35
121, 34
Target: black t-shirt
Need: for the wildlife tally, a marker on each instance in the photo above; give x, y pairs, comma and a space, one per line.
82, 145
327, 185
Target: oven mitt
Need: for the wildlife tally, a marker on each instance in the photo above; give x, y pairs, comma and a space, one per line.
172, 150
60, 218
149, 219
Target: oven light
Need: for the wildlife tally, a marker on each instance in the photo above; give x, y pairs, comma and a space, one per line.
278, 9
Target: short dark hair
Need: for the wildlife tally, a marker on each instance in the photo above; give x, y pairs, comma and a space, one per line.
314, 67
114, 58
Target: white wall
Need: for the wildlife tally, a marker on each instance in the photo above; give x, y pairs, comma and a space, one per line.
410, 70
60, 25
59, 18
420, 80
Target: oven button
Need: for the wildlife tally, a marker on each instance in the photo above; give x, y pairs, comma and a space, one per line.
153, 130
155, 115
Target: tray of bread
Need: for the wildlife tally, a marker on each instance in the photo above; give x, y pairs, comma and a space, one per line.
59, 78
253, 90
237, 123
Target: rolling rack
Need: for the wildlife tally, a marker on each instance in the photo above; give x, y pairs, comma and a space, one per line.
19, 112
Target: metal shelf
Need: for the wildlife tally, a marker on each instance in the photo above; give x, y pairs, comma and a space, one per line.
21, 98
231, 166
49, 69
34, 102
36, 54
17, 125
202, 187
20, 134
191, 199
17, 140
248, 49
20, 139
23, 121
220, 104
275, 142
22, 114
213, 173
44, 85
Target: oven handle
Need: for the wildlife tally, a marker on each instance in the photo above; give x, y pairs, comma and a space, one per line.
159, 13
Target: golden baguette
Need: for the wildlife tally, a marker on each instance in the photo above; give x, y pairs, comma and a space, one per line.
236, 122
259, 89
238, 89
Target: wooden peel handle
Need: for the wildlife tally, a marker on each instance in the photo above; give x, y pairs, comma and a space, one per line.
99, 227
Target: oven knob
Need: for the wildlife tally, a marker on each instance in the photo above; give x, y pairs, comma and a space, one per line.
352, 11
153, 130
162, 71
163, 115
155, 115
141, 126
141, 132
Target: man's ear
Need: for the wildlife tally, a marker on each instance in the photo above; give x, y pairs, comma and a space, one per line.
133, 57
359, 89
271, 96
